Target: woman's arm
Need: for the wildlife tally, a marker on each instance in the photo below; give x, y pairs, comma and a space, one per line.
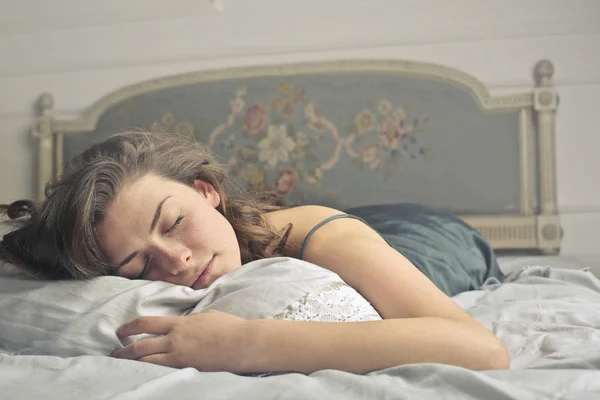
362, 347
217, 341
425, 325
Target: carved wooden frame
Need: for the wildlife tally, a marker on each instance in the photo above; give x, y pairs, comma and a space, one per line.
533, 228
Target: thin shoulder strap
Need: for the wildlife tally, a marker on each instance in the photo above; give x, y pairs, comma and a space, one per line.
320, 224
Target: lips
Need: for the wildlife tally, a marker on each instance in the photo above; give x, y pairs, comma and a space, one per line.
202, 279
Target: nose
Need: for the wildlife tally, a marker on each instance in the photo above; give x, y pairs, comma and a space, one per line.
174, 259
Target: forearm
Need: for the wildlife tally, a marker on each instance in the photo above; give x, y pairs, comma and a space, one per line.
361, 347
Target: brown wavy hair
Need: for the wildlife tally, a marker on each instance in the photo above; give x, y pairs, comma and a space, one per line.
58, 239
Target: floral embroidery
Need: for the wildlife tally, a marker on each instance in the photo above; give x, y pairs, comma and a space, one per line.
389, 134
168, 122
276, 146
168, 119
298, 96
278, 103
385, 139
370, 155
398, 115
256, 119
287, 99
185, 128
286, 88
286, 144
237, 105
302, 140
256, 177
384, 107
365, 121
314, 117
286, 181
288, 109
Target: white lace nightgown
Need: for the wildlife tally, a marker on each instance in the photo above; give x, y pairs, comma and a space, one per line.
336, 302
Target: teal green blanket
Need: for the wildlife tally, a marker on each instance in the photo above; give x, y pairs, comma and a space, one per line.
454, 255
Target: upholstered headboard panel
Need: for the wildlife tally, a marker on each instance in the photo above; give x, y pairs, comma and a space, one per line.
352, 133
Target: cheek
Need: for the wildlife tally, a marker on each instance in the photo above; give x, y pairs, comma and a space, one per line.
209, 229
197, 231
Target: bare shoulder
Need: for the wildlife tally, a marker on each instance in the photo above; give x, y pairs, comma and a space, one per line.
304, 218
299, 214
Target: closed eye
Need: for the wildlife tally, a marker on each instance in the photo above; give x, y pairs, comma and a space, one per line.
177, 222
149, 259
145, 269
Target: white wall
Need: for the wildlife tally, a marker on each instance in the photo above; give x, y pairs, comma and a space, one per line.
80, 50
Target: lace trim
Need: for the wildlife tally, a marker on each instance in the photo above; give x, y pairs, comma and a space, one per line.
336, 302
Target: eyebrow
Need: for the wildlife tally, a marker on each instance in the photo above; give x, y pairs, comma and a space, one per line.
157, 214
155, 220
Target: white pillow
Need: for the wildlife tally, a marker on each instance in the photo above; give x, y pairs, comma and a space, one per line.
70, 318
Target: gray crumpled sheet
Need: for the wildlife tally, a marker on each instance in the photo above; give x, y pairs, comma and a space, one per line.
548, 318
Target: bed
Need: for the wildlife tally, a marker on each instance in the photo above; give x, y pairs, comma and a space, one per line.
353, 135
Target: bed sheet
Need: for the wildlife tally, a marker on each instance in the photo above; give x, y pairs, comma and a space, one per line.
513, 262
549, 319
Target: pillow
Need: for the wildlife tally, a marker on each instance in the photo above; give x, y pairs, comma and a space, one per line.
71, 318
451, 253
7, 226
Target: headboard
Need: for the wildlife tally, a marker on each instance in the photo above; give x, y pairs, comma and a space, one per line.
350, 133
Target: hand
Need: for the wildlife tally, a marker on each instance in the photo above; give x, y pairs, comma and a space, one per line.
208, 341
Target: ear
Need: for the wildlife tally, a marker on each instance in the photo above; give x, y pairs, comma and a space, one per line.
208, 191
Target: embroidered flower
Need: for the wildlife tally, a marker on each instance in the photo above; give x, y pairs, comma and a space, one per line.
370, 156
365, 121
299, 96
256, 119
277, 103
398, 115
302, 139
277, 146
316, 178
288, 110
256, 176
185, 128
385, 107
286, 181
390, 133
248, 153
237, 105
286, 88
241, 92
168, 119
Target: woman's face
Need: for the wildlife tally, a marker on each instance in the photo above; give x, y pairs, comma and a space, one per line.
160, 229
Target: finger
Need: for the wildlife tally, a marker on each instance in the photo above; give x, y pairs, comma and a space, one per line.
143, 348
151, 325
164, 359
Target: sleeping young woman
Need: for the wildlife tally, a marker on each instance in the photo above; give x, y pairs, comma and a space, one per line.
159, 207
